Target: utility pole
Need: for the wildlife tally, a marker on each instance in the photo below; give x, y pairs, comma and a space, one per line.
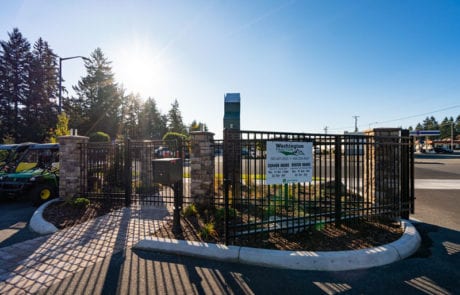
356, 123
325, 129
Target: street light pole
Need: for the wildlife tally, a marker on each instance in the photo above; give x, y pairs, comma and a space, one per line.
60, 77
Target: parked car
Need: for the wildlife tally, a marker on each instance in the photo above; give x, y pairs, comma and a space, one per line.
443, 150
162, 152
36, 177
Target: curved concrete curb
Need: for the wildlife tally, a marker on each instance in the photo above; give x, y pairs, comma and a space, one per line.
191, 248
38, 224
299, 260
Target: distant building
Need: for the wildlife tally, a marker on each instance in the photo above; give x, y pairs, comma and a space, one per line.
447, 143
232, 111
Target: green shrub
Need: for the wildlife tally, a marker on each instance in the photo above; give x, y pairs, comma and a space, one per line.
220, 213
190, 210
99, 137
170, 136
80, 202
207, 231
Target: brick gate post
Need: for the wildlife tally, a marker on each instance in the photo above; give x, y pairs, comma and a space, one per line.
202, 168
72, 167
383, 172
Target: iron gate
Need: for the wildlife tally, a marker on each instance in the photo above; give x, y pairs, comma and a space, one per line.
133, 171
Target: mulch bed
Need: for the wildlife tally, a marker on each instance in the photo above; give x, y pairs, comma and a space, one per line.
63, 214
364, 234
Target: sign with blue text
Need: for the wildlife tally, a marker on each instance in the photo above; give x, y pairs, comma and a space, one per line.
288, 162
425, 133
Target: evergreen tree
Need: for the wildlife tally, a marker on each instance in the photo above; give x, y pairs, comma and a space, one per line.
430, 123
130, 115
15, 62
40, 112
152, 124
175, 123
445, 127
98, 98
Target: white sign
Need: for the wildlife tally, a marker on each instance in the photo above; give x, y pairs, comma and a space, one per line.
288, 162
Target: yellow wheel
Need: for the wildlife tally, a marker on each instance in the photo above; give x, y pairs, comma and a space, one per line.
45, 194
41, 194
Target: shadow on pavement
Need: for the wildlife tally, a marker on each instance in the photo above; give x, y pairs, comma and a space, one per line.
96, 258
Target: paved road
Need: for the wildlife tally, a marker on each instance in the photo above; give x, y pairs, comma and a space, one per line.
438, 191
432, 270
14, 220
139, 272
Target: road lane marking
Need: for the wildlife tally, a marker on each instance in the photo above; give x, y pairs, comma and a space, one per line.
450, 184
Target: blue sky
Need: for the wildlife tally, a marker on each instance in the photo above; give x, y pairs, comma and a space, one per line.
299, 65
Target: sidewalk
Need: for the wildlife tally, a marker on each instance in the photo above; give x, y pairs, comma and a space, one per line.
27, 267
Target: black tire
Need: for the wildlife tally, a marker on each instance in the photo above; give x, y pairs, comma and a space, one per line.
41, 194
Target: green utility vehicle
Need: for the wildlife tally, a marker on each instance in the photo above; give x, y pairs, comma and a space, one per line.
36, 177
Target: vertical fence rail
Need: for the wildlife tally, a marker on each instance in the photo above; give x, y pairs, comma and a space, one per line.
122, 172
128, 175
338, 180
355, 177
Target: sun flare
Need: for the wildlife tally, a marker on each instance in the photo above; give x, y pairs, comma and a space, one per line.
139, 69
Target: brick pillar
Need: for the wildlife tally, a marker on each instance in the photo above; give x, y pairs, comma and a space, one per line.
202, 168
71, 166
383, 172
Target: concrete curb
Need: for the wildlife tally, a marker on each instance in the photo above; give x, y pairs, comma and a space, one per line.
191, 248
38, 224
298, 260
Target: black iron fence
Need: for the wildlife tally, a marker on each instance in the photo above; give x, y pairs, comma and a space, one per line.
355, 177
124, 171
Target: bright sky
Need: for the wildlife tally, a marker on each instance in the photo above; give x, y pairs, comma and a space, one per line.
299, 65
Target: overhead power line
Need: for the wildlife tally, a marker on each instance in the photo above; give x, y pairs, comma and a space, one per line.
398, 119
418, 115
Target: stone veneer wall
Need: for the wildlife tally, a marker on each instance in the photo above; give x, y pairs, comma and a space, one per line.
202, 168
383, 171
71, 168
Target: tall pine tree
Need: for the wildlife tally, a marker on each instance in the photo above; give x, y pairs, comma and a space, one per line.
40, 112
152, 124
15, 63
97, 106
175, 122
130, 115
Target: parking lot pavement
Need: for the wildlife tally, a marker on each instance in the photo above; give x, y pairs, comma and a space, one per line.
437, 184
14, 221
39, 263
